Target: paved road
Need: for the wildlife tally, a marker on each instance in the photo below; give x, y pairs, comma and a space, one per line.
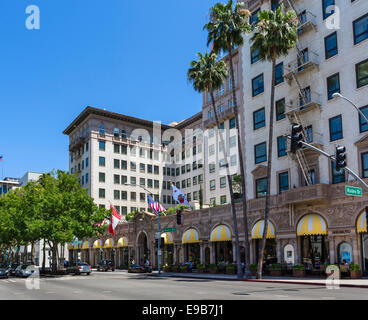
124, 286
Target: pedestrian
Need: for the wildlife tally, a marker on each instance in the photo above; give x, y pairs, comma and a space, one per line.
147, 263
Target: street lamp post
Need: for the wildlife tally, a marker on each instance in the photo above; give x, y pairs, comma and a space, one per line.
158, 227
338, 95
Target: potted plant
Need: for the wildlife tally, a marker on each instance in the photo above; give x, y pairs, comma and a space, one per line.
184, 269
275, 270
355, 271
166, 268
299, 271
253, 269
230, 269
200, 268
213, 268
221, 267
175, 268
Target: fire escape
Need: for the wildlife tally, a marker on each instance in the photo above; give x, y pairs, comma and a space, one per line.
305, 62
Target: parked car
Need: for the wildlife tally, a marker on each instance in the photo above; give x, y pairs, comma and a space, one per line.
139, 269
106, 265
25, 270
4, 271
11, 268
79, 268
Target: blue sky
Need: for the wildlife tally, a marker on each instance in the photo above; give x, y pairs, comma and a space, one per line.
126, 56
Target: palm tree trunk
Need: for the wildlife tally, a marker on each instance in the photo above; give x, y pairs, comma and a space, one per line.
44, 256
269, 171
241, 163
229, 181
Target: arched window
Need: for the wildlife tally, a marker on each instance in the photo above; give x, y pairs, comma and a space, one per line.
116, 132
140, 138
123, 134
345, 252
102, 129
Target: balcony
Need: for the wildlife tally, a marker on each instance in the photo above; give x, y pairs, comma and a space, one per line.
312, 101
307, 22
318, 193
77, 144
307, 61
226, 114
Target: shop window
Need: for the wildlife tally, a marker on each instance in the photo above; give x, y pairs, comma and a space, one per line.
345, 253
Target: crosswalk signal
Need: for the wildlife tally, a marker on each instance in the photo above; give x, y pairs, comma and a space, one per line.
296, 137
340, 158
178, 216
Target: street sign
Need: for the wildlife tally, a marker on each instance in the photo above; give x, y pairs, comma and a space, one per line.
353, 191
169, 230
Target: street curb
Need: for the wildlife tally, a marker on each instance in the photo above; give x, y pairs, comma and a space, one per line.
264, 281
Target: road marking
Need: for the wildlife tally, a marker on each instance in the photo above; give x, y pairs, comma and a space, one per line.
12, 280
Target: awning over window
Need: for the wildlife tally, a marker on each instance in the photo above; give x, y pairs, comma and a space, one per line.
109, 243
85, 245
190, 236
221, 233
257, 231
70, 247
123, 242
312, 224
97, 244
168, 238
362, 223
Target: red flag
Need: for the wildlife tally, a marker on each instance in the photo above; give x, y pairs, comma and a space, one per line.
115, 218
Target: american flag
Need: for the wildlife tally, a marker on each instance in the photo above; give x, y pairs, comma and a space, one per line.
155, 206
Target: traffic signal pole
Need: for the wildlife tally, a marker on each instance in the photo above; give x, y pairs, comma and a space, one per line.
333, 159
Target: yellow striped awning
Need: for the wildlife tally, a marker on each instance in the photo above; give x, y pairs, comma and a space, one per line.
70, 247
85, 245
109, 243
312, 224
190, 236
168, 238
362, 223
123, 242
258, 228
221, 233
97, 244
76, 246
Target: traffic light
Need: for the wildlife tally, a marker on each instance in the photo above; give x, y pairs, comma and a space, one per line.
178, 216
340, 158
296, 137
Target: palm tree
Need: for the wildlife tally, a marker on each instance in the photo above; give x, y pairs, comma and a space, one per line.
275, 34
207, 75
225, 32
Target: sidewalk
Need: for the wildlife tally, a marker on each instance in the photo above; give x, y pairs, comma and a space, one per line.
358, 283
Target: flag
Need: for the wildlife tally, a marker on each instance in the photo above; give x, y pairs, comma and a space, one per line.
115, 218
155, 206
101, 224
179, 196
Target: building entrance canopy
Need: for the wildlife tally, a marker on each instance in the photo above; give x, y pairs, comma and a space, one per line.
190, 236
362, 223
312, 224
221, 233
257, 231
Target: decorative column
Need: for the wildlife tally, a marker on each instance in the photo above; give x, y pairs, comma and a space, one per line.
278, 251
331, 242
354, 242
212, 253
201, 252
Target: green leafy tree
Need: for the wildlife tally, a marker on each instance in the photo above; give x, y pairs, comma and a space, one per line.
275, 35
207, 75
226, 29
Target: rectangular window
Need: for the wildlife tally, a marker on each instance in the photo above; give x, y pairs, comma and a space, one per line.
172, 172
259, 119
261, 187
212, 184
142, 167
101, 161
254, 17
325, 5
124, 211
233, 160
116, 195
149, 168
133, 196
124, 179
254, 53
279, 76
336, 128
133, 180
187, 168
281, 146
116, 179
116, 148
360, 27
333, 85
361, 70
101, 145
133, 166
101, 177
337, 176
309, 133
331, 45
363, 125
280, 109
195, 181
149, 183
257, 85
156, 170
124, 195
365, 164
87, 161
200, 178
116, 164
232, 141
212, 167
260, 152
142, 182
223, 199
124, 149
156, 184
189, 181
232, 123
223, 182
283, 181
142, 197
177, 172
101, 193
124, 165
